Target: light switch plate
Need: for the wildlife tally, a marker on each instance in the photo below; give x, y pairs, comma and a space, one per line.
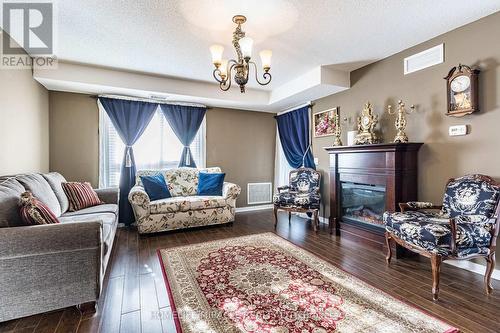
457, 130
316, 160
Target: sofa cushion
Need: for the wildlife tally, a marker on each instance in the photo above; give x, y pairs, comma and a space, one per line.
106, 208
36, 184
210, 183
55, 179
10, 192
170, 205
156, 187
80, 195
205, 202
108, 225
35, 212
180, 181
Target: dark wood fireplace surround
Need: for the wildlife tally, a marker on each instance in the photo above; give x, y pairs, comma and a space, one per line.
392, 165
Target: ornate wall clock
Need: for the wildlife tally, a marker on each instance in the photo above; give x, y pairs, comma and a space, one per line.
462, 91
366, 126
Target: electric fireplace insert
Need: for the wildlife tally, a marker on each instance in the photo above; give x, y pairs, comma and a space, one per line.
362, 203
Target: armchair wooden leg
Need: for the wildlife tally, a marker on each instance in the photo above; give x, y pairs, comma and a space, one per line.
87, 308
315, 220
490, 266
289, 218
436, 267
389, 249
275, 217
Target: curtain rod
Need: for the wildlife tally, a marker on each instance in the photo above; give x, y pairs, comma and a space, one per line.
296, 107
149, 100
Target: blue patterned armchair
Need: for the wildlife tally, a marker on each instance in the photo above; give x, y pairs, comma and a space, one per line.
466, 226
300, 195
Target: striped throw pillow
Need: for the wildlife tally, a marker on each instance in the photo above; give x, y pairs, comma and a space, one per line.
34, 212
80, 195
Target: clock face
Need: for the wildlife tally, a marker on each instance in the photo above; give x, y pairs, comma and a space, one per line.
365, 121
460, 83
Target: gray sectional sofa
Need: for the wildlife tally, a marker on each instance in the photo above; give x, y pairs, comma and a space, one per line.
52, 266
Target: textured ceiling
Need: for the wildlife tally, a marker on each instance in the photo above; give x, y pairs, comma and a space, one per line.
172, 37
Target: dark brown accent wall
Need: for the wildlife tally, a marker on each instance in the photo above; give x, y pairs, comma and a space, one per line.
242, 143
74, 136
383, 83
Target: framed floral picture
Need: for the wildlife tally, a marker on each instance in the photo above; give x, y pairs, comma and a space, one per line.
324, 123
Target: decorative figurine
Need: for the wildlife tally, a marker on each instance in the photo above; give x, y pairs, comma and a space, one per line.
400, 123
337, 141
366, 126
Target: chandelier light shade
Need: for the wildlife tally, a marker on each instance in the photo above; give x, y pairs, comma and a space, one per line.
227, 70
246, 44
265, 59
217, 51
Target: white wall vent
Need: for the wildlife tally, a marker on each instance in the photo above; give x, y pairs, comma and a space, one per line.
259, 193
424, 59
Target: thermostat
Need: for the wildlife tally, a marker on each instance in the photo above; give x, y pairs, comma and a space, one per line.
458, 130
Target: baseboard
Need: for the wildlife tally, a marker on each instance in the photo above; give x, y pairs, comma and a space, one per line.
253, 208
473, 267
321, 219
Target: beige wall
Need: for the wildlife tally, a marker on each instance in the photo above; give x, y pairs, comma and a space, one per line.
441, 157
24, 123
240, 142
74, 136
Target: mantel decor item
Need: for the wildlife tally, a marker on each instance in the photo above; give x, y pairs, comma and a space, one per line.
462, 91
337, 141
241, 66
400, 123
366, 126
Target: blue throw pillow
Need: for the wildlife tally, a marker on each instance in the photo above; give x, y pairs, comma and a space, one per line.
156, 187
210, 183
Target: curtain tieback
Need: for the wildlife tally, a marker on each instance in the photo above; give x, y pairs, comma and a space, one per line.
304, 156
188, 155
128, 159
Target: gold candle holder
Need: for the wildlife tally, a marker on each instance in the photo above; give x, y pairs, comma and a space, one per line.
401, 122
337, 141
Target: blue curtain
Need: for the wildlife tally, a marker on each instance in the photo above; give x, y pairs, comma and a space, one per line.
185, 122
293, 129
130, 119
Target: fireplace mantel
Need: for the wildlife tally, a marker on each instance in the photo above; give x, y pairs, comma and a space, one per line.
392, 167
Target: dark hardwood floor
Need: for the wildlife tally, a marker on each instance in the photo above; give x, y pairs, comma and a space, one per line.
134, 298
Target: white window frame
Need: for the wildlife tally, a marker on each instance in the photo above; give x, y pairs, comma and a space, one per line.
104, 146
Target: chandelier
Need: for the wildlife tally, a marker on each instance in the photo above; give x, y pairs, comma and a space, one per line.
224, 69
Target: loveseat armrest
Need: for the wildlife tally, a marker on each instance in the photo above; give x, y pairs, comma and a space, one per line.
230, 192
417, 205
139, 200
108, 195
49, 238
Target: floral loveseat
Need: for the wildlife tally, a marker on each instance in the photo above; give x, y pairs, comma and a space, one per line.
185, 209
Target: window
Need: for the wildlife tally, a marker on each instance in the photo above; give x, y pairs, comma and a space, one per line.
157, 148
282, 168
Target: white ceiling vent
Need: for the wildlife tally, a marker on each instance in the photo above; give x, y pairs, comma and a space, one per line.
424, 59
259, 193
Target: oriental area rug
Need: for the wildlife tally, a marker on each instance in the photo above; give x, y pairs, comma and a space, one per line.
264, 283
